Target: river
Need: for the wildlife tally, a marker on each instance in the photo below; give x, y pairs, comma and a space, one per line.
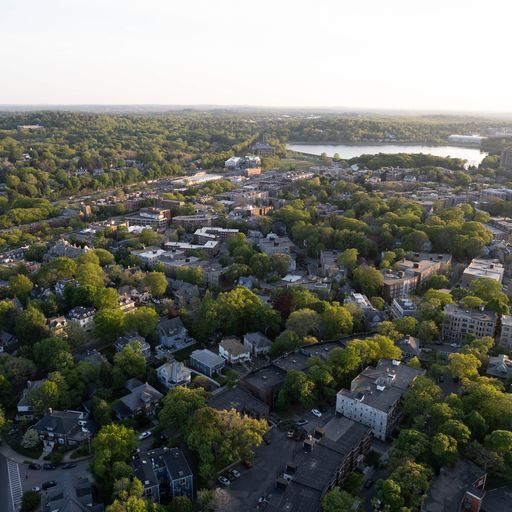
346, 151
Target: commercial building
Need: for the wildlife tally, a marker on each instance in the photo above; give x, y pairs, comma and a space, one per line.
152, 217
491, 269
273, 244
459, 322
374, 398
467, 140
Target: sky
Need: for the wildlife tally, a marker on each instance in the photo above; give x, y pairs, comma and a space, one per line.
374, 54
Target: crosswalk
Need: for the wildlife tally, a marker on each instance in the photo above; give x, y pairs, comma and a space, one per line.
13, 471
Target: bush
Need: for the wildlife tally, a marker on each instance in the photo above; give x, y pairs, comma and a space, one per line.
30, 501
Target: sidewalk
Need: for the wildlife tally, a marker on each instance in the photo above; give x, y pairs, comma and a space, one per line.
13, 455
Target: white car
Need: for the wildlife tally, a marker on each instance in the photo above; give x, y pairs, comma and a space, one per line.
144, 435
316, 412
36, 488
223, 480
235, 473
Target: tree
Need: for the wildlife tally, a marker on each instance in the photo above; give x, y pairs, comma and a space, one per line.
20, 286
130, 361
105, 258
348, 259
338, 500
368, 279
31, 325
407, 325
143, 321
297, 388
50, 394
456, 429
181, 504
427, 331
470, 301
414, 362
108, 324
388, 329
336, 321
52, 354
30, 501
500, 441
179, 406
106, 298
389, 493
90, 274
463, 365
30, 438
280, 263
444, 449
420, 397
157, 283
378, 303
409, 445
303, 322
113, 443
221, 437
413, 480
486, 289
287, 341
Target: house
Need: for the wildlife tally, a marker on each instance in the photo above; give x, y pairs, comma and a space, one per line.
206, 362
461, 321
76, 497
82, 316
57, 325
142, 399
375, 395
25, 408
173, 373
173, 334
233, 351
6, 339
500, 366
460, 488
60, 286
132, 341
126, 303
64, 428
164, 473
257, 343
410, 347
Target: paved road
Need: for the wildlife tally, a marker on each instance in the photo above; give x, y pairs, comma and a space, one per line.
6, 502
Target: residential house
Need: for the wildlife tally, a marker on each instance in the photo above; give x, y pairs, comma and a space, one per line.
57, 325
64, 428
207, 362
173, 373
82, 316
499, 366
75, 497
403, 307
25, 410
233, 351
126, 303
133, 340
257, 343
173, 334
142, 399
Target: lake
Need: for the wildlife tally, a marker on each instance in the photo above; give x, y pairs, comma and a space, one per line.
346, 151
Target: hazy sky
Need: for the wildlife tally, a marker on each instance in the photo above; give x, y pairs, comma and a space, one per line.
418, 54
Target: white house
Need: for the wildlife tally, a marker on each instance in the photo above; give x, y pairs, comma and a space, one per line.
233, 351
173, 373
83, 316
257, 343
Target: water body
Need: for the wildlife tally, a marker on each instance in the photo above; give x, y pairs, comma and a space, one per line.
346, 151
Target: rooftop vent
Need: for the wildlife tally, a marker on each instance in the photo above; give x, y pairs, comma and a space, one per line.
381, 387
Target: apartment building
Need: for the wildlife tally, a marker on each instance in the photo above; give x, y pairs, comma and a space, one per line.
492, 269
374, 398
459, 322
506, 332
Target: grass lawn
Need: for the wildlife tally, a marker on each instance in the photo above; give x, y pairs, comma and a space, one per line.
287, 163
33, 453
184, 353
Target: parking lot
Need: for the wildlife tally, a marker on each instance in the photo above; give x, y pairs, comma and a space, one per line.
269, 461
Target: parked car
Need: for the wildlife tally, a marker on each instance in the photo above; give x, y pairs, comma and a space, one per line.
247, 463
49, 467
34, 466
301, 422
316, 412
223, 480
36, 488
48, 484
70, 465
290, 434
144, 435
235, 473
